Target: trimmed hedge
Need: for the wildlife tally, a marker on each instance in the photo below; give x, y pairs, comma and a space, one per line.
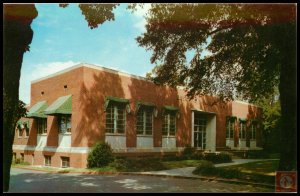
101, 155
222, 157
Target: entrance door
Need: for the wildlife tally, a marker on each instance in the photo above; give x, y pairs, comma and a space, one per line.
200, 121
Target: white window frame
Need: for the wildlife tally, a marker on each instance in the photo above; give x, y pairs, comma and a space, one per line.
242, 132
43, 132
169, 125
26, 128
230, 125
45, 160
66, 129
253, 129
20, 131
204, 141
145, 121
115, 119
62, 165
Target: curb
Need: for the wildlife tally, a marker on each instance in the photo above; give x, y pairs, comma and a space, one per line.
233, 181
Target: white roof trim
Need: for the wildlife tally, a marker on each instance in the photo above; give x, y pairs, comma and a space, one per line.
101, 68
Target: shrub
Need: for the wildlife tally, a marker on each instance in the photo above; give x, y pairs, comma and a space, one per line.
100, 156
218, 158
205, 168
197, 155
259, 154
188, 152
121, 164
229, 173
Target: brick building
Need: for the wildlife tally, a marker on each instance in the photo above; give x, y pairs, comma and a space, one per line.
74, 108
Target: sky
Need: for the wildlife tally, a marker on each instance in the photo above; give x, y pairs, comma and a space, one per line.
63, 39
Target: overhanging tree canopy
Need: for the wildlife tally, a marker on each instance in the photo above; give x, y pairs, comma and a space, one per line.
253, 49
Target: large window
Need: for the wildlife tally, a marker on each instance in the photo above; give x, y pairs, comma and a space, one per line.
169, 124
47, 160
65, 124
230, 125
144, 122
65, 161
42, 125
242, 133
115, 118
200, 122
253, 131
26, 130
20, 131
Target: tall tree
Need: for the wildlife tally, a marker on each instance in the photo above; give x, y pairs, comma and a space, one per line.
253, 48
17, 36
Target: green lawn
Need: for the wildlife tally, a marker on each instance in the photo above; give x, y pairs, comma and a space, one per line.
261, 167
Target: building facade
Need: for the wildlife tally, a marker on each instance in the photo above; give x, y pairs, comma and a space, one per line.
73, 109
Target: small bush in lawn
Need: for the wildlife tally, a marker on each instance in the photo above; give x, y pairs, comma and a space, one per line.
121, 164
205, 168
218, 158
188, 152
197, 155
101, 155
229, 173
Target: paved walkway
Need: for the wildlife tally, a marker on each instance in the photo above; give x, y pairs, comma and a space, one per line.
187, 171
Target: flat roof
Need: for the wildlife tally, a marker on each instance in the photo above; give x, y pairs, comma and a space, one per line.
98, 67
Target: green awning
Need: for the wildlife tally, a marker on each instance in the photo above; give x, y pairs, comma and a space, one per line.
243, 120
141, 104
37, 110
62, 105
110, 99
231, 118
169, 109
24, 122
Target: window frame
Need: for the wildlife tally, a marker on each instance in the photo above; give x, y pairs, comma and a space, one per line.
26, 131
167, 117
253, 129
242, 131
47, 159
65, 161
41, 126
144, 112
67, 120
20, 131
112, 111
230, 127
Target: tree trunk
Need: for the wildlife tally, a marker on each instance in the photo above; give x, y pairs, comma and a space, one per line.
288, 101
17, 35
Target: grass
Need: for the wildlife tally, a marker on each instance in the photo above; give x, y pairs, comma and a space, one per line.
259, 172
261, 167
182, 163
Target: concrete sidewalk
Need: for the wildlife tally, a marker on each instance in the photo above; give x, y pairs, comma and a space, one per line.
187, 172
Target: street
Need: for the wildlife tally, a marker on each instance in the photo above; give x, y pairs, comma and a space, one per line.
36, 181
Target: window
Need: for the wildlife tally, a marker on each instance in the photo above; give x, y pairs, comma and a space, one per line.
242, 133
65, 124
26, 130
65, 162
253, 131
42, 125
230, 128
47, 160
169, 124
200, 122
115, 118
20, 131
22, 157
144, 122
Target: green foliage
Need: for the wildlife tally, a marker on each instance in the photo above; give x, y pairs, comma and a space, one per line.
205, 168
100, 156
222, 157
258, 154
271, 121
245, 46
188, 152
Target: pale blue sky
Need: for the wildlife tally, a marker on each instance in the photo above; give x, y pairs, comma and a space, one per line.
62, 39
